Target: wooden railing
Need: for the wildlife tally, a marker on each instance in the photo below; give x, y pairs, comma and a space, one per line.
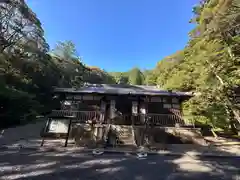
153, 119
160, 120
81, 116
125, 119
166, 119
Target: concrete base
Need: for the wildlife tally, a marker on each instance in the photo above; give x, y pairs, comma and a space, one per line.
157, 136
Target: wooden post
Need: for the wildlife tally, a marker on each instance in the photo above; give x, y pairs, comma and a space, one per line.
69, 128
132, 119
112, 111
103, 111
45, 130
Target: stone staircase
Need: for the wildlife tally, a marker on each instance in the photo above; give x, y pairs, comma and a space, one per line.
125, 135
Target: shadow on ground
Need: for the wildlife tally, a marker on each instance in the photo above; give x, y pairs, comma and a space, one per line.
62, 163
26, 164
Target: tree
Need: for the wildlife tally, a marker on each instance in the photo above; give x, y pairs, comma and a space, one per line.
220, 51
22, 61
123, 79
28, 72
96, 75
136, 77
66, 50
209, 63
150, 77
120, 77
66, 58
19, 27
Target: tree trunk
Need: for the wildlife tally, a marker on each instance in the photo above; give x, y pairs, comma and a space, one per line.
233, 111
231, 119
233, 127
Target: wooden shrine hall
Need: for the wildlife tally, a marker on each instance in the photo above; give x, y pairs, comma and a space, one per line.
115, 104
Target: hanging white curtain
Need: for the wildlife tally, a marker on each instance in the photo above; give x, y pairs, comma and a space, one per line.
134, 107
142, 110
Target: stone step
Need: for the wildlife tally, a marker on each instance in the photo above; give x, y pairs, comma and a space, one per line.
125, 138
128, 142
125, 131
124, 135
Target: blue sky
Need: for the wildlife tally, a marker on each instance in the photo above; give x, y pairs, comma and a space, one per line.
117, 35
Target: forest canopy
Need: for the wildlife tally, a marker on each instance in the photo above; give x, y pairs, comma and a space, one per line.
209, 64
29, 70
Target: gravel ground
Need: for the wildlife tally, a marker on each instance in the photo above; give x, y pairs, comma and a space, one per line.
71, 165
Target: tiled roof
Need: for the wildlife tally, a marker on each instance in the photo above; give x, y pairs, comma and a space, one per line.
115, 89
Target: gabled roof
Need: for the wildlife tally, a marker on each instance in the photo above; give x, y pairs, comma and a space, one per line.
121, 89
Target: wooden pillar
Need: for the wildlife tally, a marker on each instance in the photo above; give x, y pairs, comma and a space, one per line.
103, 111
132, 120
112, 110
134, 111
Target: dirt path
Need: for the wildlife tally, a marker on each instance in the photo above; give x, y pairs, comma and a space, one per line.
14, 136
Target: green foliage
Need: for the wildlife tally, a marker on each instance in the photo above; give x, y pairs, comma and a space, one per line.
28, 73
149, 78
120, 77
20, 28
209, 64
135, 77
96, 75
17, 107
66, 50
